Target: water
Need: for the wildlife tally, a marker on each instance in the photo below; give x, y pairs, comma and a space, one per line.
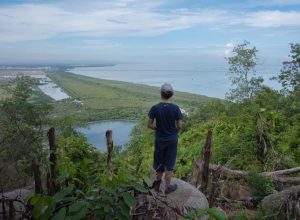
51, 89
95, 132
201, 79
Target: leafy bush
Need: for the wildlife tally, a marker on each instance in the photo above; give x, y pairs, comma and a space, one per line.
212, 213
89, 188
261, 186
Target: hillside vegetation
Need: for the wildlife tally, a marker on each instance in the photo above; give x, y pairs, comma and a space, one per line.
106, 99
257, 129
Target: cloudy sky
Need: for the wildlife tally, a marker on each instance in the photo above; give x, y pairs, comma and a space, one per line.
77, 31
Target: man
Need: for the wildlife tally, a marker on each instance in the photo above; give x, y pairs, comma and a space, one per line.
165, 118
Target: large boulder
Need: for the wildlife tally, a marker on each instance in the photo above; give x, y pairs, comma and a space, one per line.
14, 203
172, 206
284, 204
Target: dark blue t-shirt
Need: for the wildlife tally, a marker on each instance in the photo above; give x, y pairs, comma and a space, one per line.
165, 115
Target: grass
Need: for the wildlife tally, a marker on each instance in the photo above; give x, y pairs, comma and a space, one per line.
107, 99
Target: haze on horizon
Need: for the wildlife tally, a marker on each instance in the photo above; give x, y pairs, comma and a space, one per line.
165, 31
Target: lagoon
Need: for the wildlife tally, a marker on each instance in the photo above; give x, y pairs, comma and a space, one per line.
95, 132
51, 89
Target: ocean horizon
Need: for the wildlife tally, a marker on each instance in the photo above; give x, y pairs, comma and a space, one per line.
208, 80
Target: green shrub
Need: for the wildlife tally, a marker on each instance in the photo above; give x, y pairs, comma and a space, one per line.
261, 186
212, 213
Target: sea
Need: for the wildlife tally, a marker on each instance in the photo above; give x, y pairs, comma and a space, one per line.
204, 79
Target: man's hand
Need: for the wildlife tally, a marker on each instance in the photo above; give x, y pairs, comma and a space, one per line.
178, 125
151, 124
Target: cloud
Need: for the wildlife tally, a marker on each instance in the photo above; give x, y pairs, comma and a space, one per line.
230, 45
267, 19
24, 22
228, 48
33, 22
284, 2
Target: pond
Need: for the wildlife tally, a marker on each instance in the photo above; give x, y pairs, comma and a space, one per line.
51, 89
95, 132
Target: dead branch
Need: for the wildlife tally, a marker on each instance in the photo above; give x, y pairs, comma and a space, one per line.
277, 176
52, 184
110, 145
206, 158
37, 175
283, 172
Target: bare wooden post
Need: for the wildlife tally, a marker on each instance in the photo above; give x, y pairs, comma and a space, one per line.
206, 158
37, 176
11, 210
197, 172
215, 189
3, 205
110, 145
53, 187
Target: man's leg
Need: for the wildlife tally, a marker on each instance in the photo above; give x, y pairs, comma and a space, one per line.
171, 153
158, 163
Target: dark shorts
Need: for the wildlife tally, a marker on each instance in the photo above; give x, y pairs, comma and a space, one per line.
165, 154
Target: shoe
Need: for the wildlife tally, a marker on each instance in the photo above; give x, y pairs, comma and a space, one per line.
170, 189
156, 185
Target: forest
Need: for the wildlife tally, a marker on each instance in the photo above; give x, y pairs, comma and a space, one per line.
244, 150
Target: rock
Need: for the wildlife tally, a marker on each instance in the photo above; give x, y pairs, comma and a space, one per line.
172, 206
283, 202
186, 197
18, 194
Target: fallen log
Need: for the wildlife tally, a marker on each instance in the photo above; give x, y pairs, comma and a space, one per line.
277, 176
284, 172
286, 179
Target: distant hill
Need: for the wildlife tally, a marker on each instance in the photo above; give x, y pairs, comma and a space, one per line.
118, 99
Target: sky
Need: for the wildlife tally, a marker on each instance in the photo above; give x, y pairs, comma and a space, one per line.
120, 31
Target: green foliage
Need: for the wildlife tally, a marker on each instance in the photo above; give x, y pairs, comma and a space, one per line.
21, 130
289, 76
261, 214
107, 99
212, 213
90, 189
140, 149
261, 186
240, 215
242, 74
258, 132
236, 143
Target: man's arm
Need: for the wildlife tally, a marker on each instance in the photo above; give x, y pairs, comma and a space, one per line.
151, 124
178, 125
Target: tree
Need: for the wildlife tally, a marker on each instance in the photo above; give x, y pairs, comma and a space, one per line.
21, 131
289, 75
242, 73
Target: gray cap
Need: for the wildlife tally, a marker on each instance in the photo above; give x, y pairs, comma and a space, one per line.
166, 87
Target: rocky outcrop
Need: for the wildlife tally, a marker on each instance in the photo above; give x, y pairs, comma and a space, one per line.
172, 206
284, 204
13, 203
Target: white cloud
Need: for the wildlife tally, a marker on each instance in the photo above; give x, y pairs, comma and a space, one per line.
124, 18
284, 2
230, 45
31, 22
266, 19
228, 48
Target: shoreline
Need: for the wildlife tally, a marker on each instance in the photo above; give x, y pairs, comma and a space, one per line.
140, 84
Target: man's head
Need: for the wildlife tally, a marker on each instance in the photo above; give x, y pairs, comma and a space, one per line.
166, 91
